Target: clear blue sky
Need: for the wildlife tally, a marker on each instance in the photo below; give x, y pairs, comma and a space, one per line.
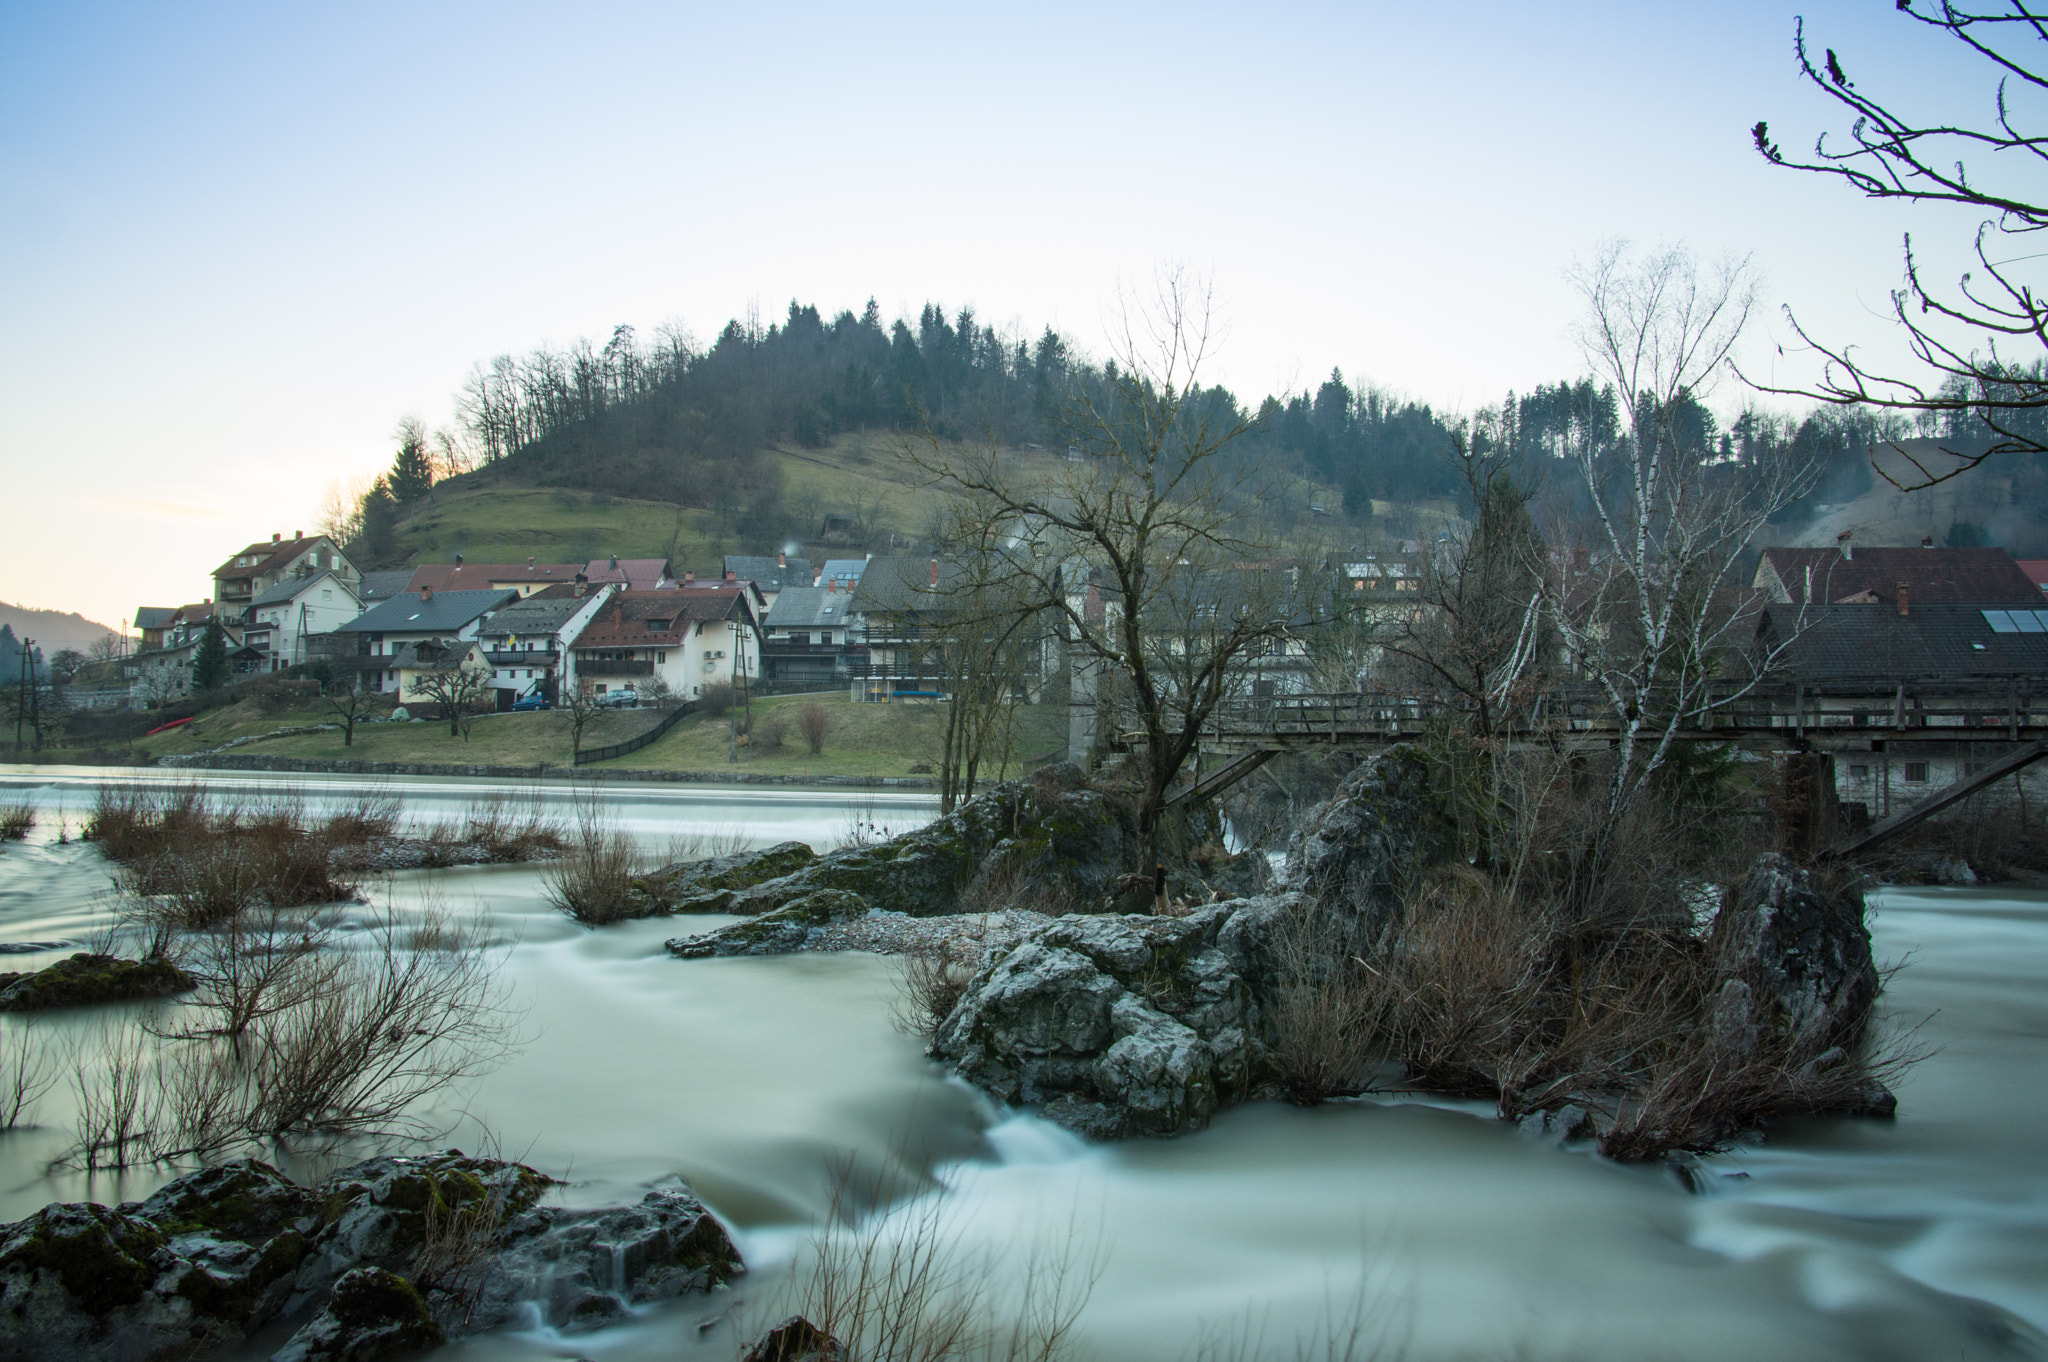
237, 242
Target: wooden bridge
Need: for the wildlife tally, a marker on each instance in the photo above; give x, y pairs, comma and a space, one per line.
1840, 715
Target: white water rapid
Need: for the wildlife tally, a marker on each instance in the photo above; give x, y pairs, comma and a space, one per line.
1445, 1234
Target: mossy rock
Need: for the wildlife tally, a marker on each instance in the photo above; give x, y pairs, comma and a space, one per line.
105, 1259
245, 1199
372, 1315
784, 929
707, 886
86, 978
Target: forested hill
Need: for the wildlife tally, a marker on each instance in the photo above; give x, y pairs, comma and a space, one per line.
672, 421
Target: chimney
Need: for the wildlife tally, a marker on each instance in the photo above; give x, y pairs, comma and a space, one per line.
781, 558
458, 560
1926, 541
615, 562
935, 572
1848, 549
275, 537
426, 591
688, 576
731, 576
298, 534
1905, 604
529, 562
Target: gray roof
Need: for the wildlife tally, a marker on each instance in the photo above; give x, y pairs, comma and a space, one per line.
843, 569
809, 607
154, 616
766, 573
445, 612
534, 615
382, 586
290, 587
1935, 642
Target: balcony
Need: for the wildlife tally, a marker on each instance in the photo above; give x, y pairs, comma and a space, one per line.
522, 658
595, 667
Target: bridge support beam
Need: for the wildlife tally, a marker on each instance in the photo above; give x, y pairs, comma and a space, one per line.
1933, 804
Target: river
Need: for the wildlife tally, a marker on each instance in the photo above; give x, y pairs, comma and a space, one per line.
1441, 1233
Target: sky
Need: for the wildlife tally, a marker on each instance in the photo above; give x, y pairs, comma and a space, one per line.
239, 242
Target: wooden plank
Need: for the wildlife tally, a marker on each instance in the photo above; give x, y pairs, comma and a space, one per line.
1221, 779
1962, 789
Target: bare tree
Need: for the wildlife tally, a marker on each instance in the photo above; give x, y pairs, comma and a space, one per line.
454, 684
1139, 546
1963, 336
580, 703
107, 648
351, 702
1644, 616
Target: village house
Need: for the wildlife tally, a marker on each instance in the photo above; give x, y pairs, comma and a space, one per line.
525, 642
637, 574
842, 573
686, 641
526, 579
282, 619
410, 633
811, 634
257, 568
150, 623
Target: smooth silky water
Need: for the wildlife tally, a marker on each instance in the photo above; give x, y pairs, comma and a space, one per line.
1442, 1232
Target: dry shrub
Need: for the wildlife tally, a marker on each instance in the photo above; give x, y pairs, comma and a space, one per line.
716, 698
771, 732
814, 722
1325, 1020
933, 974
514, 829
16, 819
25, 1073
594, 882
293, 1033
209, 857
902, 1286
375, 818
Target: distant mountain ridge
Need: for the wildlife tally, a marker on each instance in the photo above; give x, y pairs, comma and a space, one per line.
53, 630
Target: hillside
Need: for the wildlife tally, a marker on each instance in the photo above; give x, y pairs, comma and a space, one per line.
53, 630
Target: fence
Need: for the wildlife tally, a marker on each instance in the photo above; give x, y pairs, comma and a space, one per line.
634, 744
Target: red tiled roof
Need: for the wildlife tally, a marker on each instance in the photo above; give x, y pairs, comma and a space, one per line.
640, 574
623, 622
265, 552
482, 576
2036, 570
1931, 576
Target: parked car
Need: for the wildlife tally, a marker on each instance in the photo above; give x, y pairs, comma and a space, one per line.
620, 699
534, 701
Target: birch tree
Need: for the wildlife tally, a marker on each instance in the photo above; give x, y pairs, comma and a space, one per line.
1642, 613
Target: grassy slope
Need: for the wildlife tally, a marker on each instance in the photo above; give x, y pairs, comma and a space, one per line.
863, 739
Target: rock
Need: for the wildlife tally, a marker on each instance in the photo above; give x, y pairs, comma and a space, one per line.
220, 1253
788, 928
706, 886
796, 1339
86, 978
1568, 1123
1361, 848
583, 1268
1806, 956
370, 1316
1120, 1025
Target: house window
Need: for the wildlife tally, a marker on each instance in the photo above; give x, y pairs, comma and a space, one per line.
1916, 772
600, 688
1859, 773
661, 658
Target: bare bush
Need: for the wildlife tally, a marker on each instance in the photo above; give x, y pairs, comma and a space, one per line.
1325, 1019
772, 731
374, 818
209, 857
932, 976
25, 1074
814, 722
117, 1103
593, 883
16, 819
902, 1286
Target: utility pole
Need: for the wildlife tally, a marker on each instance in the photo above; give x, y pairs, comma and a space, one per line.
35, 698
21, 692
733, 711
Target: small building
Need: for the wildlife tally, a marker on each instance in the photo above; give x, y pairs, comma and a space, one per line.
688, 641
384, 633
150, 623
636, 574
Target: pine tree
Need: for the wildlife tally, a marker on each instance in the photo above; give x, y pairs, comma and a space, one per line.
210, 663
412, 472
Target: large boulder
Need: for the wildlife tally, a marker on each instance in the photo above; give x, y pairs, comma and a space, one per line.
1360, 850
1803, 954
778, 931
707, 886
86, 978
1118, 1024
384, 1258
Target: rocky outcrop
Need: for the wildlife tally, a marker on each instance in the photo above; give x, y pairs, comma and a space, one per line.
707, 886
1802, 954
778, 931
385, 1257
1359, 850
1120, 1025
1046, 838
86, 978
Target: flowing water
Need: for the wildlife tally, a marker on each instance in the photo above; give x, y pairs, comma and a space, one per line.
1434, 1230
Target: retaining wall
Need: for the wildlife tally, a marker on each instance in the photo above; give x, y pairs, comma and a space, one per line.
317, 766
